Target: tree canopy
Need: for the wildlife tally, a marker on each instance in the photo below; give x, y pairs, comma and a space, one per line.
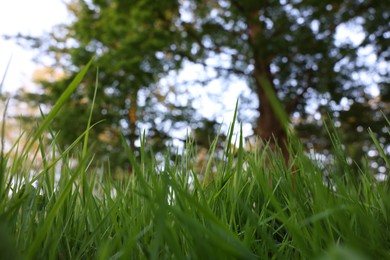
297, 47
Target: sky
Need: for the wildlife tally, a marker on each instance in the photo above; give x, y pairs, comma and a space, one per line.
27, 17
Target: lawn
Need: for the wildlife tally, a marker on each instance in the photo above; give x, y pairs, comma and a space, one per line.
244, 205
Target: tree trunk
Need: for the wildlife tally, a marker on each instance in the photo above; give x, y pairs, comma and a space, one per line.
132, 113
269, 128
132, 116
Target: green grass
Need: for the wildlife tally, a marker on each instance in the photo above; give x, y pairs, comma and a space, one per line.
251, 205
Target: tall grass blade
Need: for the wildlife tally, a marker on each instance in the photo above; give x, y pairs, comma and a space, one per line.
379, 147
4, 75
56, 108
3, 160
275, 103
90, 116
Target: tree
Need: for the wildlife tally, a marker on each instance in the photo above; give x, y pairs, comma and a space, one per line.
289, 45
129, 40
292, 46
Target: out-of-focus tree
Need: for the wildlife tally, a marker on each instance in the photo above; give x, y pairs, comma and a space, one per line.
296, 47
133, 43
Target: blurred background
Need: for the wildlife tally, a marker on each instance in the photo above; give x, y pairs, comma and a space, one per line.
176, 68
